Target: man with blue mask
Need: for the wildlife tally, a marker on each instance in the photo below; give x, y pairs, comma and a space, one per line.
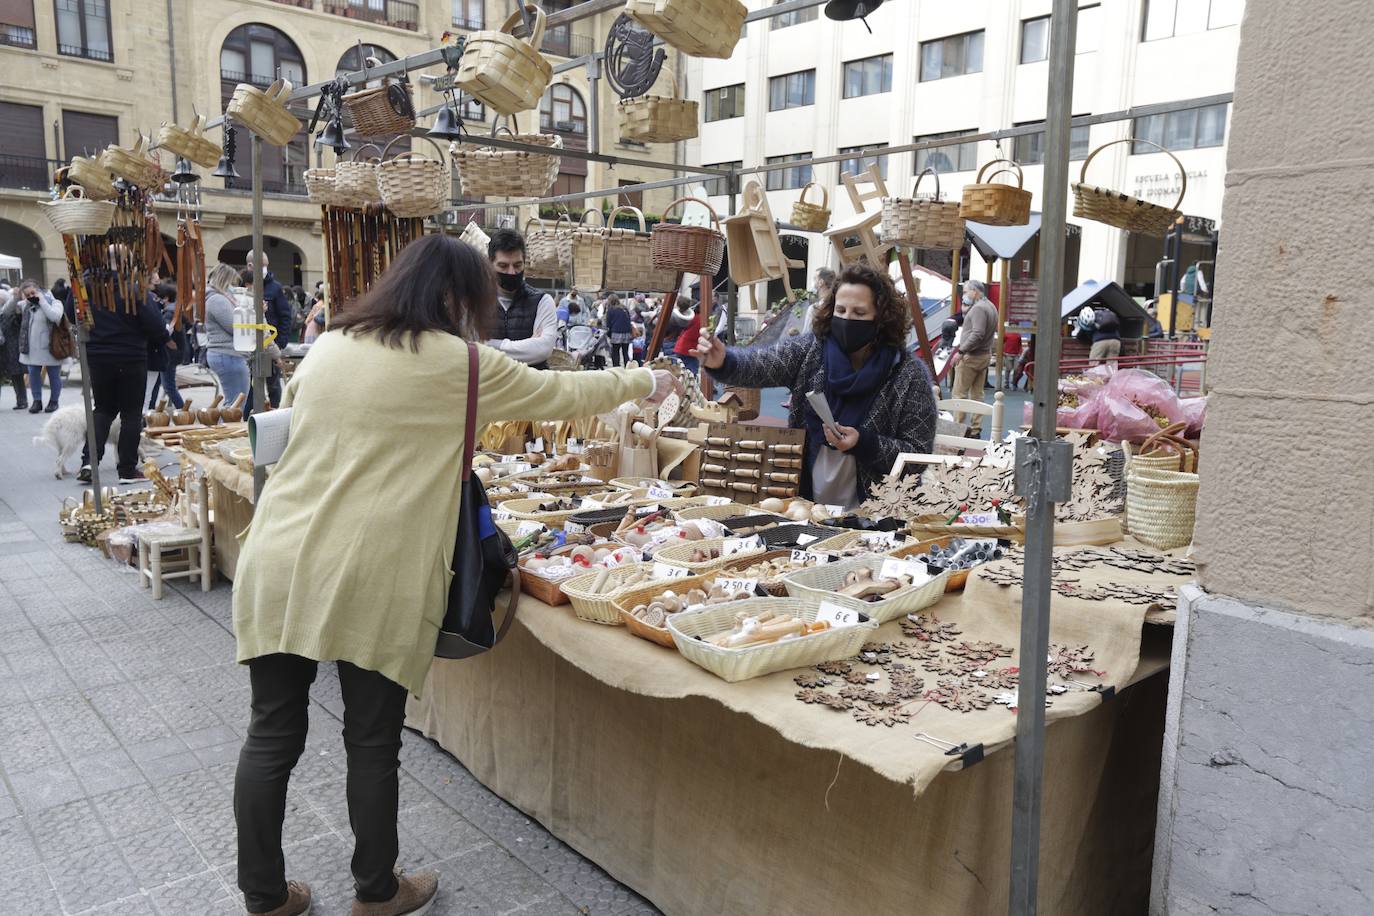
975, 350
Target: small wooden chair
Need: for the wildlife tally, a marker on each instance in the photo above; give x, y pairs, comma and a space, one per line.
195, 539
961, 407
863, 225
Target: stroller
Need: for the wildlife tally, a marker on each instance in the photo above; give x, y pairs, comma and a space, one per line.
588, 346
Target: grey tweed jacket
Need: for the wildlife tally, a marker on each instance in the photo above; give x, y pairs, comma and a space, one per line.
902, 418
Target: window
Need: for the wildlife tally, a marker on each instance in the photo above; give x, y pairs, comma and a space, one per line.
1192, 128
85, 134
16, 24
869, 76
258, 54
956, 157
472, 110
716, 187
796, 17
725, 102
792, 90
952, 56
353, 59
629, 198
1030, 148
23, 153
567, 183
1035, 35
1167, 18
789, 178
83, 28
857, 163
468, 14
562, 110
1089, 29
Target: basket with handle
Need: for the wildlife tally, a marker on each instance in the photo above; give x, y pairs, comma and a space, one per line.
474, 236
1121, 210
996, 204
1161, 506
355, 179
630, 257
692, 249
75, 214
541, 251
923, 223
321, 186
263, 111
93, 177
489, 171
413, 185
190, 143
823, 583
810, 216
502, 71
656, 118
589, 253
381, 110
133, 164
701, 28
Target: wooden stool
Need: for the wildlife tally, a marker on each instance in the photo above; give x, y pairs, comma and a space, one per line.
194, 539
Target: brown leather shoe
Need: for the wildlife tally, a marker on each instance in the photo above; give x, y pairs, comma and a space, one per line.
297, 901
414, 896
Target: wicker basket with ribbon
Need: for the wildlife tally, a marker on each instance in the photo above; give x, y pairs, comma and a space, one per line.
630, 257
381, 110
75, 214
93, 177
355, 180
996, 204
263, 111
702, 28
657, 118
1121, 210
135, 165
502, 71
923, 223
809, 216
588, 244
489, 171
543, 249
691, 249
190, 143
413, 185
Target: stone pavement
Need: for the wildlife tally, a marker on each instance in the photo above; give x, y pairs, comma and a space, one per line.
120, 724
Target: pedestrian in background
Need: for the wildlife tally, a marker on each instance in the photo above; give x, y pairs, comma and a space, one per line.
228, 365
976, 341
1011, 351
1106, 338
41, 314
11, 322
279, 314
621, 329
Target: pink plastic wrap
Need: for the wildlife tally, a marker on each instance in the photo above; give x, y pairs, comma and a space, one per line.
1121, 418
1194, 412
1084, 416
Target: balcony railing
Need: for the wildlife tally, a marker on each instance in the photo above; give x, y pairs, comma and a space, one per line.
400, 14
28, 173
303, 4
565, 44
470, 24
17, 36
83, 51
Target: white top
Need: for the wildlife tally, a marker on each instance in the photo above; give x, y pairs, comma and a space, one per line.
536, 348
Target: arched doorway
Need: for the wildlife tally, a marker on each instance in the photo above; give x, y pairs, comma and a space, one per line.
23, 243
285, 260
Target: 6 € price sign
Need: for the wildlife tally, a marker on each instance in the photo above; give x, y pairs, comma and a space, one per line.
836, 615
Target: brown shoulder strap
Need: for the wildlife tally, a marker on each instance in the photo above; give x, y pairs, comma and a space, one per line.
470, 421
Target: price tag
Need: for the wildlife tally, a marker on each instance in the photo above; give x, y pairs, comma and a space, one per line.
588, 504
668, 571
519, 467
735, 586
573, 447
732, 546
660, 493
718, 500
836, 615
893, 568
810, 556
573, 528
804, 539
527, 528
710, 528
538, 445
882, 540
982, 519
500, 515
646, 510
835, 511
662, 537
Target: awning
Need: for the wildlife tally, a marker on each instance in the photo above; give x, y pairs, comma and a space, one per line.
1006, 242
1103, 295
10, 262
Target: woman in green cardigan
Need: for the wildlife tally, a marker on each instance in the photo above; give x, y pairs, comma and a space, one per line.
348, 557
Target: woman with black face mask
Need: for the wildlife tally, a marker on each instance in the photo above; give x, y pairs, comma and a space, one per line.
879, 394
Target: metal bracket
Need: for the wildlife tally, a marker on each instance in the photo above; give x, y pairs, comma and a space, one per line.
1044, 469
260, 364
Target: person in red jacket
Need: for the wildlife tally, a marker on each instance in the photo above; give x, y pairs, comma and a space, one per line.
687, 342
1011, 352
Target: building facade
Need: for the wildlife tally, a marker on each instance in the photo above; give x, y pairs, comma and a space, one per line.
800, 85
80, 74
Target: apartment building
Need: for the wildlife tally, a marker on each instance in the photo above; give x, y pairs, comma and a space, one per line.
80, 74
800, 85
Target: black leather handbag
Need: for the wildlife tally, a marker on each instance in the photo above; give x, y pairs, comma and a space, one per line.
483, 559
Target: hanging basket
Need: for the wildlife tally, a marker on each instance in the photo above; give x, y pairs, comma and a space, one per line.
502, 71
543, 249
474, 236
190, 143
1122, 210
413, 185
809, 216
630, 258
702, 28
923, 223
321, 187
263, 111
493, 172
93, 177
658, 119
75, 214
381, 110
1161, 506
355, 180
589, 253
690, 249
996, 204
134, 165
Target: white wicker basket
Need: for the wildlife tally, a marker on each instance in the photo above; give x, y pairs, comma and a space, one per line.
681, 555
822, 583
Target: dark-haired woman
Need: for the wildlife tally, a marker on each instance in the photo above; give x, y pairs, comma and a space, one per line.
377, 490
879, 394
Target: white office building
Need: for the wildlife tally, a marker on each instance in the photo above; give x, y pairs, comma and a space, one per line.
801, 85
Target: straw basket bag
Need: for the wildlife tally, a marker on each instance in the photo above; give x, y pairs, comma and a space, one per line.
322, 188
702, 28
190, 143
809, 216
657, 118
690, 249
630, 258
355, 180
588, 245
502, 71
381, 110
411, 184
548, 252
923, 223
74, 214
474, 236
263, 111
1122, 210
996, 204
1162, 506
93, 177
134, 164
492, 172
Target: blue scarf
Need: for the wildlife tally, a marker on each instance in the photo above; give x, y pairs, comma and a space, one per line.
850, 391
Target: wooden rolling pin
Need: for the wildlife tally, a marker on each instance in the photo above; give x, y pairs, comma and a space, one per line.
718, 440
785, 478
747, 472
786, 449
754, 444
752, 459
714, 468
778, 491
787, 462
722, 456
745, 487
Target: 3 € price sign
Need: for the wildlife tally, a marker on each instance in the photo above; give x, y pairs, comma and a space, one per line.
837, 615
731, 546
668, 571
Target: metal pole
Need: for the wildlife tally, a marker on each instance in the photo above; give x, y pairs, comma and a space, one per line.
1003, 304
1042, 473
79, 332
258, 380
594, 116
731, 290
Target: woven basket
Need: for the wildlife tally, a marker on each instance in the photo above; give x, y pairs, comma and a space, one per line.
691, 249
753, 661
822, 583
716, 513
996, 204
812, 217
600, 607
681, 555
630, 258
74, 214
381, 110
491, 172
544, 256
355, 179
1161, 506
413, 185
474, 236
628, 599
657, 118
134, 165
322, 188
1122, 210
923, 223
189, 142
502, 71
702, 28
93, 177
264, 111
588, 247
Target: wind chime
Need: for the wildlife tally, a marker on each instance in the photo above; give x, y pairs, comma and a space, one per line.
190, 266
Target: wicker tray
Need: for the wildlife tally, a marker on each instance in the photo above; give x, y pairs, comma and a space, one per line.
934, 526
821, 583
679, 487
600, 607
719, 512
628, 599
528, 510
680, 555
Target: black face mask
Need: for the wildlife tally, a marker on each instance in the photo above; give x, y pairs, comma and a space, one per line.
33, 300
511, 283
853, 334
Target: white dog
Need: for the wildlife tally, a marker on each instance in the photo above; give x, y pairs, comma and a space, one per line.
65, 431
